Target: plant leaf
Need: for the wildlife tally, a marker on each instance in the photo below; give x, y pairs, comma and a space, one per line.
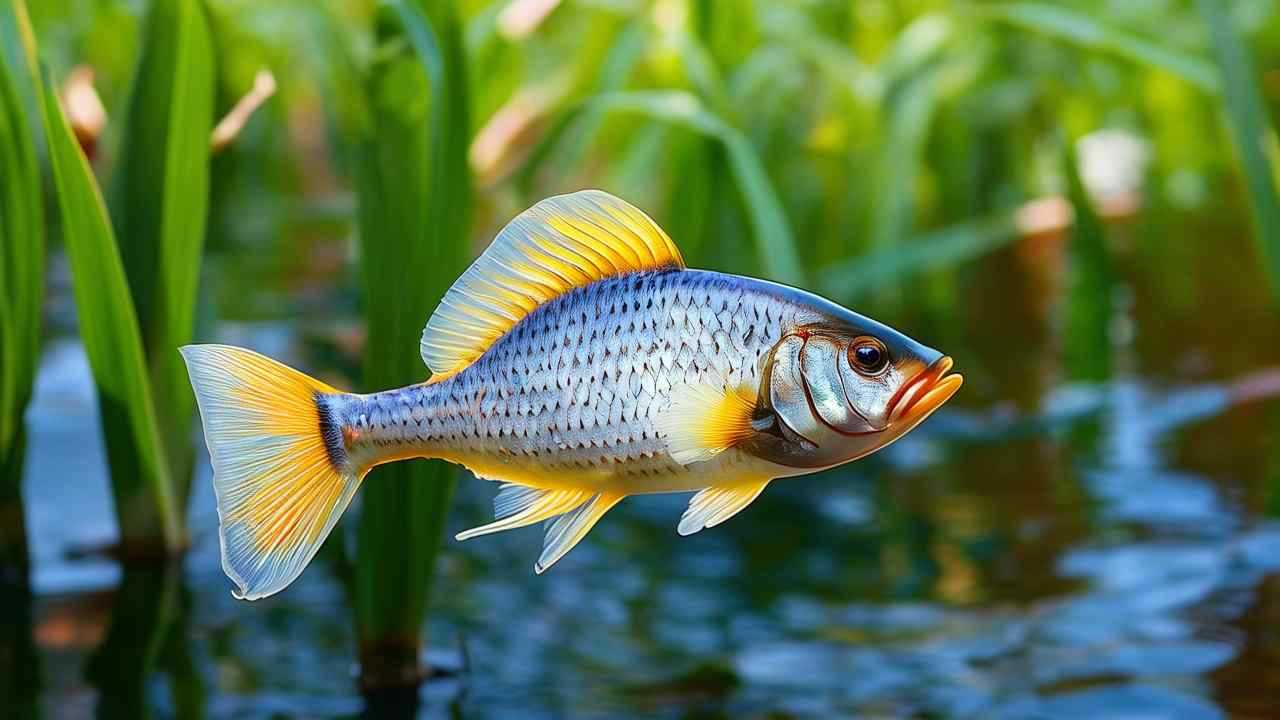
1247, 119
775, 244
1085, 31
160, 202
908, 123
414, 207
141, 483
947, 247
22, 225
1087, 327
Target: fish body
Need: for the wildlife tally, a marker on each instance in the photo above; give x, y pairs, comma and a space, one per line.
576, 390
579, 362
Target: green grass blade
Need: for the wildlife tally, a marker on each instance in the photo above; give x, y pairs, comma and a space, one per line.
1087, 32
1250, 129
918, 79
22, 226
1087, 326
616, 69
415, 196
695, 199
775, 243
947, 247
909, 121
22, 240
141, 484
795, 31
160, 201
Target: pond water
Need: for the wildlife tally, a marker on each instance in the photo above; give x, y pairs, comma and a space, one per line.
1044, 547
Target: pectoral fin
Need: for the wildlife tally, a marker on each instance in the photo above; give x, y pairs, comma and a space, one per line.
713, 505
705, 420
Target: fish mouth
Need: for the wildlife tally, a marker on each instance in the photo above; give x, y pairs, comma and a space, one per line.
924, 393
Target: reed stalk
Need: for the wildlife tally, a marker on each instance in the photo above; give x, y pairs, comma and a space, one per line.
159, 201
142, 486
414, 207
1251, 132
22, 239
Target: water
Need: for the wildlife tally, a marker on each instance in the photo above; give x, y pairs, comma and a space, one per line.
1046, 547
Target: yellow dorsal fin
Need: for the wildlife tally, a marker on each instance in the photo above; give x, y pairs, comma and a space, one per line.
562, 243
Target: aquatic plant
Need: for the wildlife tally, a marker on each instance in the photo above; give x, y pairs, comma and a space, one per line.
1257, 148
1090, 283
141, 481
136, 299
158, 201
414, 194
22, 238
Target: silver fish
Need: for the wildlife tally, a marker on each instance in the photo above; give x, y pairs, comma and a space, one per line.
578, 361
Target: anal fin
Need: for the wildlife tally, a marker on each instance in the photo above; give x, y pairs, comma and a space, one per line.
715, 504
519, 505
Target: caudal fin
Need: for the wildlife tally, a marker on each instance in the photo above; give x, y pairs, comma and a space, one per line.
280, 472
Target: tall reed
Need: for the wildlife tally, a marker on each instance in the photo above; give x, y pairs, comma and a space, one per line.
22, 236
1251, 131
1091, 284
136, 300
159, 200
142, 485
414, 207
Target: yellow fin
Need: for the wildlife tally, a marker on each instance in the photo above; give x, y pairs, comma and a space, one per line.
713, 505
705, 420
519, 505
569, 529
559, 244
280, 473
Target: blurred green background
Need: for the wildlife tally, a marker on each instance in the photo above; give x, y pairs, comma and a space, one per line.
1077, 201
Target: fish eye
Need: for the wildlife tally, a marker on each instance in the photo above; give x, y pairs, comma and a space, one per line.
868, 356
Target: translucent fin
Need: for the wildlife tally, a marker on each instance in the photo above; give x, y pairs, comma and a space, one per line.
518, 505
279, 470
570, 528
714, 505
704, 421
559, 244
513, 498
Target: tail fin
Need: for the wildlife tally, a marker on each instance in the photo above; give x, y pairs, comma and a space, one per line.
280, 471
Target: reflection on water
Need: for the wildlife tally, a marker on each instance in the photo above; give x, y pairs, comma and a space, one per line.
1042, 549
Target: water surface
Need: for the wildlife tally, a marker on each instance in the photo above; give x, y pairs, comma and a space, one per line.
1050, 545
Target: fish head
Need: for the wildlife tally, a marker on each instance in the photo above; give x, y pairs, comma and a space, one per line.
843, 387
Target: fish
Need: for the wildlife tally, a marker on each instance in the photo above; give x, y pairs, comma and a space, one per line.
577, 361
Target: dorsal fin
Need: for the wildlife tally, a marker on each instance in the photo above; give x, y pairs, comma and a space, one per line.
561, 243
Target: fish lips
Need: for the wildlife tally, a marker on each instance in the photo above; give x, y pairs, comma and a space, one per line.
924, 393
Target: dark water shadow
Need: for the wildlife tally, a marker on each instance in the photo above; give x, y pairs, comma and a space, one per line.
439, 696
19, 661
146, 642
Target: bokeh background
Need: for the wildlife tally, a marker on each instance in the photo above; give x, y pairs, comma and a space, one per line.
1076, 200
